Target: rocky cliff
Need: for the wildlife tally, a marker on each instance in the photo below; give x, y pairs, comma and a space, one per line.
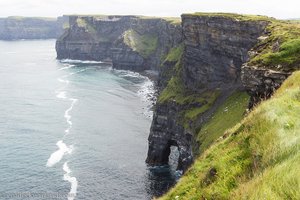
205, 64
272, 60
129, 42
206, 73
15, 28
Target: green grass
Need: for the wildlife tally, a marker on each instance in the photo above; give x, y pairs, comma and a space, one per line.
81, 22
144, 44
175, 54
288, 54
176, 92
20, 18
285, 57
207, 99
173, 20
226, 116
258, 158
230, 16
193, 104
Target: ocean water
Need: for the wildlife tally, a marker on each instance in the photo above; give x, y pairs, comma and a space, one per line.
73, 130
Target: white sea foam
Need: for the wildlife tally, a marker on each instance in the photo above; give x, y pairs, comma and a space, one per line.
61, 95
127, 73
58, 155
71, 74
72, 180
80, 61
62, 147
67, 115
68, 66
63, 81
147, 94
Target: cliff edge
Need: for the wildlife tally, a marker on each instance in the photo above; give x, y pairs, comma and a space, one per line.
215, 69
129, 42
16, 28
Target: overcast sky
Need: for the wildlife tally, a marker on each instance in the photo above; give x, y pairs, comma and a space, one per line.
274, 8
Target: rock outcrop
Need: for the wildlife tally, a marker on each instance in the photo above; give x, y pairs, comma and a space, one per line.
15, 28
272, 60
215, 47
129, 42
166, 131
261, 83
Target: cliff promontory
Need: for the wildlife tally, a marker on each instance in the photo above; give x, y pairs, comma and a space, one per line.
16, 28
129, 42
215, 69
207, 71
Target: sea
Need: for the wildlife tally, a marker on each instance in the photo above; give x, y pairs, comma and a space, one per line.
74, 129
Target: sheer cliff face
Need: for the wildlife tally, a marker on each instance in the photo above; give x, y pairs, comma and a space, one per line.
215, 48
130, 42
14, 28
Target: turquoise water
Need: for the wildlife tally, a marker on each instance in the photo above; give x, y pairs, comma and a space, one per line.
77, 128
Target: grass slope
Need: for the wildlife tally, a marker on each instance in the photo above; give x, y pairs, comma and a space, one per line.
233, 16
280, 50
257, 159
227, 115
144, 44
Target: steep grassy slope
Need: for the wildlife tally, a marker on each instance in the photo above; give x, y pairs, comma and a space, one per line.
280, 49
144, 44
257, 159
226, 116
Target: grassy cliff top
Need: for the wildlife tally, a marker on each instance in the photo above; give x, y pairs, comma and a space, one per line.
144, 44
259, 158
229, 15
280, 48
30, 18
171, 19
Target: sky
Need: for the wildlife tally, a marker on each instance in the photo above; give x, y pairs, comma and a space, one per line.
281, 9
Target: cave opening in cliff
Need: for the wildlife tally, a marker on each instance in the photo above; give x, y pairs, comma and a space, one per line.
173, 157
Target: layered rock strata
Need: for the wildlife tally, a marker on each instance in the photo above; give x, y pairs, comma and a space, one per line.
129, 42
215, 48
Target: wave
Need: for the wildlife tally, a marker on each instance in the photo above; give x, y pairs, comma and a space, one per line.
67, 67
63, 81
61, 95
67, 115
58, 155
62, 147
72, 180
128, 74
80, 61
147, 94
71, 74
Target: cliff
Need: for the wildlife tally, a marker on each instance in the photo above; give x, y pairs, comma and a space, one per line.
206, 73
258, 158
129, 42
254, 155
15, 28
272, 60
212, 68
